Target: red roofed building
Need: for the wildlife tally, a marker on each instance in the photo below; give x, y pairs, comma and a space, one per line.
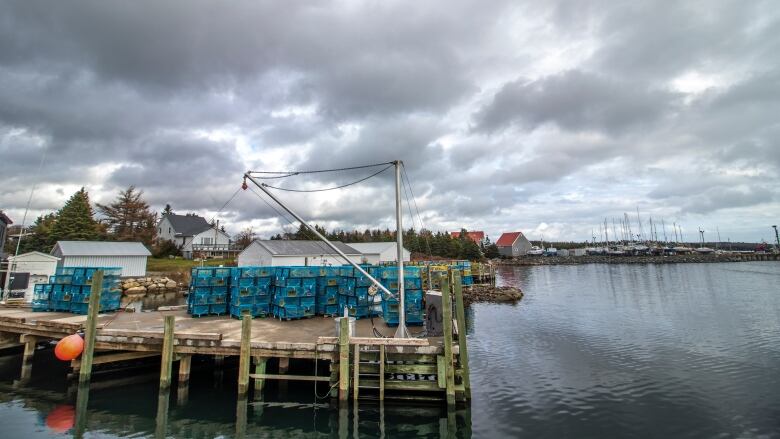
477, 237
513, 244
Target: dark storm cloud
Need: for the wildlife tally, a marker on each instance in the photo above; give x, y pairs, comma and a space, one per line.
575, 100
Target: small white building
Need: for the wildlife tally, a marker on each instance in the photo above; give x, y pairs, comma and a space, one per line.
38, 265
130, 256
193, 235
378, 252
287, 252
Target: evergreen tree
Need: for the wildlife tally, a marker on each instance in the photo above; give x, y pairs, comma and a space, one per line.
40, 237
129, 217
74, 220
167, 210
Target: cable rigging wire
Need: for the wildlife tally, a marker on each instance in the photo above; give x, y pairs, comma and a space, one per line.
331, 188
318, 171
419, 217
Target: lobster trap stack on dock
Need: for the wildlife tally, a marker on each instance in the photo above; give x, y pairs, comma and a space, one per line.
71, 287
413, 295
327, 302
209, 291
354, 293
295, 290
251, 290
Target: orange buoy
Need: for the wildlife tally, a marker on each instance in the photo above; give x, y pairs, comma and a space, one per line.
61, 419
69, 348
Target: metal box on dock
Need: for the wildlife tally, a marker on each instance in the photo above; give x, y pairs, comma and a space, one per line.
434, 314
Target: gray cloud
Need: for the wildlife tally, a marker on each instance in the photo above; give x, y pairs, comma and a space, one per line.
542, 117
575, 100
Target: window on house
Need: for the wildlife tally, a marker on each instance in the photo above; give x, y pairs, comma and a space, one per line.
206, 241
169, 230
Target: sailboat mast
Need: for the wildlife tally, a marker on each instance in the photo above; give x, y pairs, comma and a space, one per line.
663, 226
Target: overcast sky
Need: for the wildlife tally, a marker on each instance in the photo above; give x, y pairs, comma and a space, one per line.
539, 116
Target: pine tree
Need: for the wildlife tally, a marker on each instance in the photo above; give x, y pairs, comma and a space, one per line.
74, 220
129, 217
40, 237
167, 210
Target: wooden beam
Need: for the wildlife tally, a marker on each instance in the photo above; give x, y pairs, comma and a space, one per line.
356, 373
89, 334
448, 363
113, 358
166, 362
246, 353
370, 341
343, 359
286, 377
463, 352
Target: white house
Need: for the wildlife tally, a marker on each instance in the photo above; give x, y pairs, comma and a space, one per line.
130, 256
38, 265
513, 244
377, 252
193, 235
286, 252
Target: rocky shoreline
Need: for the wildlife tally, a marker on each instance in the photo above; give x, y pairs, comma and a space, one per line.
674, 259
491, 294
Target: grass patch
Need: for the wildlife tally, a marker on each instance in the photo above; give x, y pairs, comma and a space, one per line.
183, 265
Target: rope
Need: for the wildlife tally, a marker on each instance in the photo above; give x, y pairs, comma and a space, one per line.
330, 188
419, 217
321, 170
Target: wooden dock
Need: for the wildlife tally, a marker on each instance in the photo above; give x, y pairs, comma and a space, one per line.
362, 366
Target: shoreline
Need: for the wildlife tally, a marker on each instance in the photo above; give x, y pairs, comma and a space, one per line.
649, 259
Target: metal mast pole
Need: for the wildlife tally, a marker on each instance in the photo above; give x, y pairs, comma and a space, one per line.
401, 332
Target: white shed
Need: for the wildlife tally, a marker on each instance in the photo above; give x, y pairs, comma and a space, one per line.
377, 252
130, 256
288, 253
39, 265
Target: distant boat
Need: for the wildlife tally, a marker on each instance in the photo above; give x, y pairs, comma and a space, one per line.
535, 251
704, 250
681, 249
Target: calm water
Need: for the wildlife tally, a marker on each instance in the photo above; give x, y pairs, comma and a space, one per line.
688, 350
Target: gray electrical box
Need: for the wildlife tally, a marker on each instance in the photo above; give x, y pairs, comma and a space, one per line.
434, 322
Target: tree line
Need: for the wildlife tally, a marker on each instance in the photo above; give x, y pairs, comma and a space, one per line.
421, 244
129, 218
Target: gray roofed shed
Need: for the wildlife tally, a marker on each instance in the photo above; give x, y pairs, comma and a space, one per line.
130, 256
279, 247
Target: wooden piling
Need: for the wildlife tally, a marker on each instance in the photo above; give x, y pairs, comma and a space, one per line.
246, 353
30, 343
85, 372
448, 361
161, 419
166, 361
260, 363
463, 353
343, 359
185, 365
